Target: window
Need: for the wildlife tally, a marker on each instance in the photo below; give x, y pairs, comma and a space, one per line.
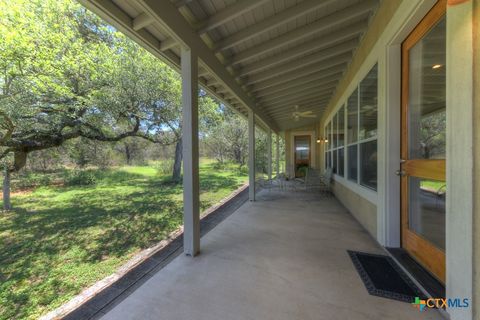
353, 134
367, 133
334, 161
330, 135
334, 132
368, 106
337, 144
352, 156
328, 160
341, 127
329, 138
352, 118
368, 164
341, 162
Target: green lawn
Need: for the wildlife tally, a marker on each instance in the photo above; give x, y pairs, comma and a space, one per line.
433, 185
60, 240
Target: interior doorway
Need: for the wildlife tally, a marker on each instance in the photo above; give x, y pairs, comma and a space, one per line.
302, 155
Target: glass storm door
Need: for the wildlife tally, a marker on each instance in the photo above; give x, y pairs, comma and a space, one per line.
423, 185
302, 155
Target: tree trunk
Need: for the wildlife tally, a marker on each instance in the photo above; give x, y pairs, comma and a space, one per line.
128, 154
177, 165
238, 155
6, 190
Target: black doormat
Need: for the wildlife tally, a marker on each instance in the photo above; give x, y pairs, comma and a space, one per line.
384, 278
434, 287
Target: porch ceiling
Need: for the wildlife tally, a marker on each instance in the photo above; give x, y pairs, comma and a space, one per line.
263, 55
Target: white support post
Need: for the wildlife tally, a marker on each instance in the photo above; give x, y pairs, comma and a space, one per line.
278, 154
251, 155
191, 198
269, 154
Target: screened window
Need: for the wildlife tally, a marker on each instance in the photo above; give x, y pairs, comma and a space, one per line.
336, 157
352, 156
368, 105
329, 138
334, 161
334, 132
341, 161
353, 132
341, 127
352, 118
368, 164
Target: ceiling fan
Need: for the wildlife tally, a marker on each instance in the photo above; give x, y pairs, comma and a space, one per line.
296, 115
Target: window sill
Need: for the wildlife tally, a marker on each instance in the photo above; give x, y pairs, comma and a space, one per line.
364, 192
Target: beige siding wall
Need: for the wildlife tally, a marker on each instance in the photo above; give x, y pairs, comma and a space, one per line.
363, 210
460, 215
476, 126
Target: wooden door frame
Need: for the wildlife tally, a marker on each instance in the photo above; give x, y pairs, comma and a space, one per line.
291, 149
417, 246
295, 151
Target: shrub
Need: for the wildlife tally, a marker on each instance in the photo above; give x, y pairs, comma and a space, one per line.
24, 182
31, 180
243, 170
165, 166
80, 178
219, 165
44, 180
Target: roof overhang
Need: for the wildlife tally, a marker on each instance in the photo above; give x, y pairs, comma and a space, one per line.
265, 56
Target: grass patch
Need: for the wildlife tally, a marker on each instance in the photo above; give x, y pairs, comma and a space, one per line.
62, 239
433, 185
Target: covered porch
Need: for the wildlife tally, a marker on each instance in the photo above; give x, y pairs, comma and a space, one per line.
281, 257
326, 76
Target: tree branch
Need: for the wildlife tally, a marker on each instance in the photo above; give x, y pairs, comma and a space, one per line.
9, 126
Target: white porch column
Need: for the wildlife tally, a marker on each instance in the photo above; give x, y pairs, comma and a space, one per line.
191, 198
251, 155
269, 154
277, 155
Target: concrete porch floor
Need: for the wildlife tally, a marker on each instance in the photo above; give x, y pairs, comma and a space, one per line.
282, 257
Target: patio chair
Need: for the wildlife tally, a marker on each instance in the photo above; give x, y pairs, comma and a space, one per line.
270, 184
280, 181
312, 180
326, 182
297, 184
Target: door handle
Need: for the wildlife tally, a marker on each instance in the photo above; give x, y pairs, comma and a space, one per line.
400, 173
